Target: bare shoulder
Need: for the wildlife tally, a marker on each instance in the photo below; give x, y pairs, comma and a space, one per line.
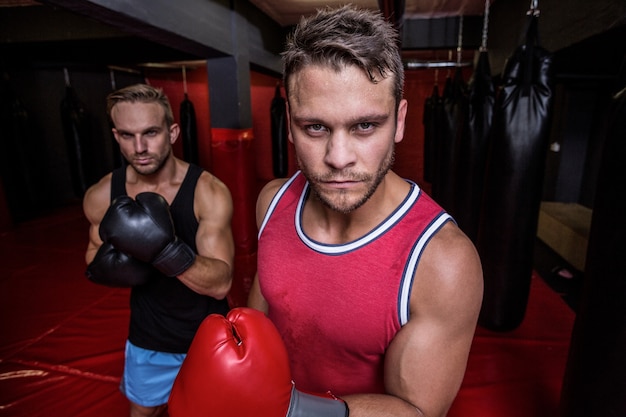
209, 183
212, 195
266, 195
97, 200
450, 268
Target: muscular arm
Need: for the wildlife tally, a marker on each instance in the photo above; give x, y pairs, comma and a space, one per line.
426, 361
211, 272
255, 297
95, 203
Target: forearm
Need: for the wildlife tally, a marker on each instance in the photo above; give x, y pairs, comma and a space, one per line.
208, 276
375, 405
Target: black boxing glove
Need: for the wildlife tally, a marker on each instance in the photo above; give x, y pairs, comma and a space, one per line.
143, 228
113, 268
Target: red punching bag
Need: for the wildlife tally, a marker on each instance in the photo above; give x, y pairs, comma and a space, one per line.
514, 182
233, 162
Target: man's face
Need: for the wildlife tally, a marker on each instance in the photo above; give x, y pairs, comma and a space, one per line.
143, 136
344, 129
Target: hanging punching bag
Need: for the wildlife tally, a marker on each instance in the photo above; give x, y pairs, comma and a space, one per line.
78, 141
278, 115
595, 375
118, 159
450, 127
471, 149
513, 182
430, 123
438, 117
20, 167
189, 130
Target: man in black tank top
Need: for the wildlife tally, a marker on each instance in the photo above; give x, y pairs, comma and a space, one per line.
162, 227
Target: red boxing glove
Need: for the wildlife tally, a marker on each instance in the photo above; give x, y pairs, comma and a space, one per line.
237, 366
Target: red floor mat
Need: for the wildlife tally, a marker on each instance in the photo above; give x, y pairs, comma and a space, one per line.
519, 373
61, 351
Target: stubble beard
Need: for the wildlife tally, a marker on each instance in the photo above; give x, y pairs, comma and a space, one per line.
152, 168
341, 201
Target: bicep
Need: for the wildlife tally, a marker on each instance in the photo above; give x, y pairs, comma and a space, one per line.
214, 238
95, 203
425, 364
426, 361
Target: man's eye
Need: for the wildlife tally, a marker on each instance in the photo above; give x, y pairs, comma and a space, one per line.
315, 128
366, 126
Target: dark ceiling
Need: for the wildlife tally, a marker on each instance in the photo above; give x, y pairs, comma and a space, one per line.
46, 36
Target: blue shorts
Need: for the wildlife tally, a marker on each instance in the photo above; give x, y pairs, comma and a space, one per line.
149, 375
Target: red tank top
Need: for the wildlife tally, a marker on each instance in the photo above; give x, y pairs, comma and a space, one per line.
338, 307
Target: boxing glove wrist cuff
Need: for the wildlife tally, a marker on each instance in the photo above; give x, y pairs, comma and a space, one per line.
175, 258
307, 405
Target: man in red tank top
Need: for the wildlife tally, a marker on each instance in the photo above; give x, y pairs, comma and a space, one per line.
374, 291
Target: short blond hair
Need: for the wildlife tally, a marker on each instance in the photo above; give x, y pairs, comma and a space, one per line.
142, 93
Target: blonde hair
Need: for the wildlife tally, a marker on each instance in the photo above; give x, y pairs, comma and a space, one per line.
142, 93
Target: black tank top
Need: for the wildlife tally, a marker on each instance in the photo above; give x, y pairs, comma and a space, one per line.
165, 313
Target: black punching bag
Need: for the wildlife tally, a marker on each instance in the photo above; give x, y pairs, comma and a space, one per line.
513, 182
76, 130
429, 120
189, 131
472, 148
278, 115
450, 127
595, 375
20, 164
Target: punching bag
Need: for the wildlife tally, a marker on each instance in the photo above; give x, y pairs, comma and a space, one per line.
233, 162
78, 141
189, 131
278, 115
471, 150
438, 116
595, 377
118, 158
429, 120
513, 182
20, 167
450, 127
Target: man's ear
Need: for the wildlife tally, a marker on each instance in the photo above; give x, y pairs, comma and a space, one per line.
174, 132
401, 120
115, 134
289, 137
